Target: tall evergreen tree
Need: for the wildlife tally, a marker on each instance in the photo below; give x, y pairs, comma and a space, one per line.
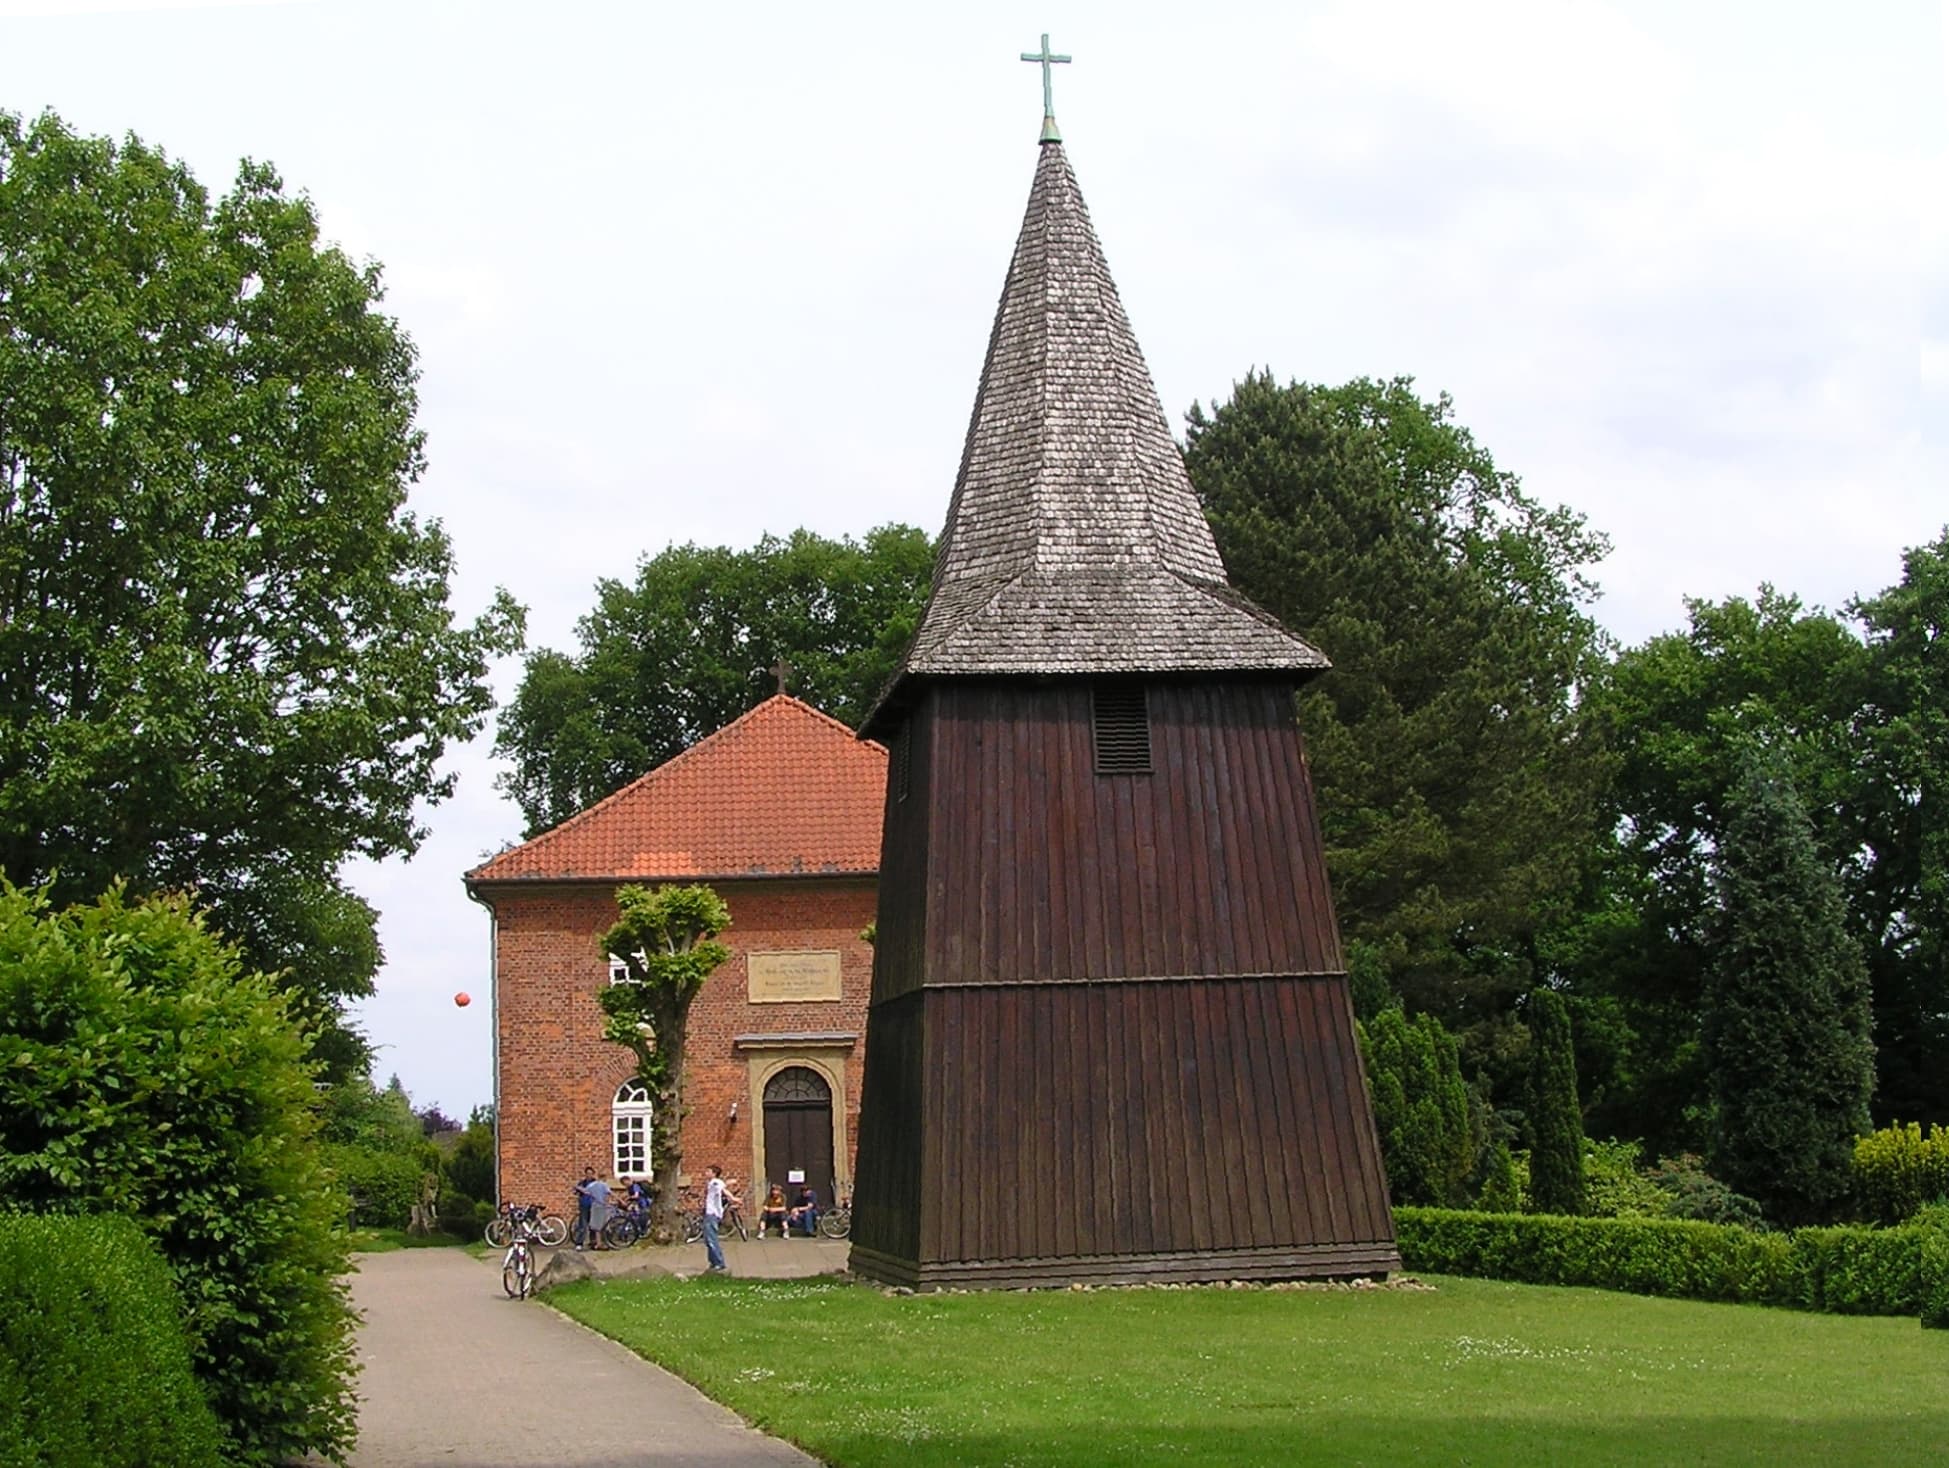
1786, 1017
1556, 1157
1457, 792
1421, 1107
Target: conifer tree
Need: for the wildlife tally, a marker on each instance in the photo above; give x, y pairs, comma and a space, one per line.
1786, 1015
1556, 1158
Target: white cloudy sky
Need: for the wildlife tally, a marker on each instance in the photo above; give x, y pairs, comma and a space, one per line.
689, 274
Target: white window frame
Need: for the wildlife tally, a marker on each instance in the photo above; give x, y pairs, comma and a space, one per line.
629, 1130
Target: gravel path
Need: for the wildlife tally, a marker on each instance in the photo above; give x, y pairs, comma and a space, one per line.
457, 1374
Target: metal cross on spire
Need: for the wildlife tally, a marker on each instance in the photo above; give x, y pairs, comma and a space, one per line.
782, 671
1049, 132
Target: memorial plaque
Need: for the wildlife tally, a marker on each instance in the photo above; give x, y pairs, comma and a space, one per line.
794, 976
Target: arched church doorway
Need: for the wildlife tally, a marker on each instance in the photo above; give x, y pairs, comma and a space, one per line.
798, 1132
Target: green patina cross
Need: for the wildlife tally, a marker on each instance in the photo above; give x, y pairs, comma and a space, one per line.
1049, 133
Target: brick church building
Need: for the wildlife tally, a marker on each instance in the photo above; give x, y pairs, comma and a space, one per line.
780, 812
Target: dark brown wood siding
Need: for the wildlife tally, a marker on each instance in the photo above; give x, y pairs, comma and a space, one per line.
1210, 865
1148, 1119
1111, 1034
886, 1191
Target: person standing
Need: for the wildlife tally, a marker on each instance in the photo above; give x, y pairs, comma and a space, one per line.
716, 1195
592, 1209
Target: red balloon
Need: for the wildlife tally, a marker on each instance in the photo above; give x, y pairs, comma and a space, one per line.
463, 999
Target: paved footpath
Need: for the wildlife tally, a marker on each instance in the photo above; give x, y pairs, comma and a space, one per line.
458, 1375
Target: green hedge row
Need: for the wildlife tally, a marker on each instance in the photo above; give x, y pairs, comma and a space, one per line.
94, 1361
1852, 1271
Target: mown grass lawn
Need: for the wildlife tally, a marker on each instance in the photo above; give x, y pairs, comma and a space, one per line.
1470, 1372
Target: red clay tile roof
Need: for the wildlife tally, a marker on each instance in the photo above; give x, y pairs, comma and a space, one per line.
784, 790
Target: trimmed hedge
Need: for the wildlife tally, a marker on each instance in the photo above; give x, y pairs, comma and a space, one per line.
94, 1362
1852, 1271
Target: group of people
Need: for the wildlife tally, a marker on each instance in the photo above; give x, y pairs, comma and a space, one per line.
799, 1216
592, 1205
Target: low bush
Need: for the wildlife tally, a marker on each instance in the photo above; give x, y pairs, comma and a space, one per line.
143, 1071
1843, 1270
94, 1363
1900, 1169
1692, 1192
381, 1187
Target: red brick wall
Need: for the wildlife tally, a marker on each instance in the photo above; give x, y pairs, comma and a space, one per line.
557, 1077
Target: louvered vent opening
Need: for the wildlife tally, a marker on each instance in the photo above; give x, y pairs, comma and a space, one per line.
1122, 719
903, 761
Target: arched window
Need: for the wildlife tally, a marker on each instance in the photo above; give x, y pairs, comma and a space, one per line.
630, 1124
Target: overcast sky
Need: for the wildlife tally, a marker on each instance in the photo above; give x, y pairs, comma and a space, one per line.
689, 274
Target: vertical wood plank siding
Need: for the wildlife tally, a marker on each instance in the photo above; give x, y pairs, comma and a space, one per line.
1210, 865
1111, 1025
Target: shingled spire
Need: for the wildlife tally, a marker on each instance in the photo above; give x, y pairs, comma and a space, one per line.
1074, 543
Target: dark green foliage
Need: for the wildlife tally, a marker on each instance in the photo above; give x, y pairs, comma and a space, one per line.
1899, 1170
1933, 1221
1841, 1270
667, 938
1899, 804
380, 1187
1501, 1192
688, 648
470, 1165
94, 1366
227, 660
1692, 1192
1785, 1024
1421, 1107
141, 1069
1556, 1151
1457, 792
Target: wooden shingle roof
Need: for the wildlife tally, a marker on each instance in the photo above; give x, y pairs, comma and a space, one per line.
782, 791
1074, 543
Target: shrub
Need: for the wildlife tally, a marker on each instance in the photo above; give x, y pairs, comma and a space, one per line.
470, 1166
1846, 1270
1421, 1107
94, 1365
1501, 1192
1616, 1187
1556, 1153
139, 1066
1691, 1192
1899, 1169
381, 1187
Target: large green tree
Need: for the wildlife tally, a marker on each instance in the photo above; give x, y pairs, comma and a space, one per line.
227, 658
1899, 882
1458, 791
1786, 1012
688, 646
1678, 713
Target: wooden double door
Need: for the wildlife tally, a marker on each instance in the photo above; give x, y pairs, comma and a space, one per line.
798, 1132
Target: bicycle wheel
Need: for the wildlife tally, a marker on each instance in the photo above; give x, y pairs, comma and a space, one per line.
500, 1233
514, 1274
836, 1223
620, 1232
553, 1229
693, 1225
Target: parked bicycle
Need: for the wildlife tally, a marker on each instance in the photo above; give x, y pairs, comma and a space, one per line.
550, 1228
518, 1267
837, 1221
626, 1225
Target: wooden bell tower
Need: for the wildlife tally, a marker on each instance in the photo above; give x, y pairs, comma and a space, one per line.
1110, 1036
